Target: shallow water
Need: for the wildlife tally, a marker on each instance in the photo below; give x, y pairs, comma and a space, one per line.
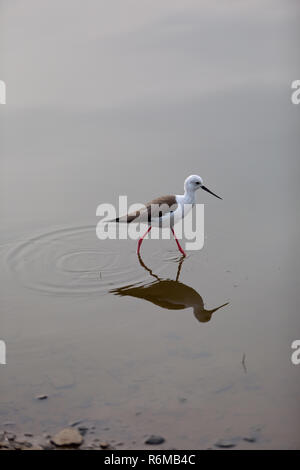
132, 345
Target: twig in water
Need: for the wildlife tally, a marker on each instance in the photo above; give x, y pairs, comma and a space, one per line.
244, 363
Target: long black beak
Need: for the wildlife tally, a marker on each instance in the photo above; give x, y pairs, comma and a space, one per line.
209, 191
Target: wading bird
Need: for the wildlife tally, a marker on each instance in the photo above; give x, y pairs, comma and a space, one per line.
166, 211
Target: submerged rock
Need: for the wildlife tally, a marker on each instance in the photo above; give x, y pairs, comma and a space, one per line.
155, 440
225, 444
41, 397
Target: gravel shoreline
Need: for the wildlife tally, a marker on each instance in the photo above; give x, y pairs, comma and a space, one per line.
81, 437
67, 438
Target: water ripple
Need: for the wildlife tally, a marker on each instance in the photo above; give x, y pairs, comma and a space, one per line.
72, 261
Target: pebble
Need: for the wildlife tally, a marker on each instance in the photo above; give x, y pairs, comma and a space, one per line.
35, 447
46, 446
21, 440
41, 397
75, 423
67, 437
4, 445
104, 445
155, 440
225, 444
250, 439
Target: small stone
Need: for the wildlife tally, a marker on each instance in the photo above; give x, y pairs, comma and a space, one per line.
46, 446
75, 423
28, 434
155, 440
17, 447
4, 445
225, 444
23, 444
104, 445
36, 447
67, 437
83, 430
41, 397
250, 439
21, 440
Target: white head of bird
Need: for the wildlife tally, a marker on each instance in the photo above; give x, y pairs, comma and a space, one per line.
194, 182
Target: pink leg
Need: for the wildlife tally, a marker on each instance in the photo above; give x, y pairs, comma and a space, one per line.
141, 240
178, 244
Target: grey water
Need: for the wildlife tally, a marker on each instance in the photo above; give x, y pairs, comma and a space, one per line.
129, 98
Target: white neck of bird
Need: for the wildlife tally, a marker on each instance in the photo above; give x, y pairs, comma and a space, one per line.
189, 196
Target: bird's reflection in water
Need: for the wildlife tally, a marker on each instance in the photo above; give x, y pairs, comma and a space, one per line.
169, 294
